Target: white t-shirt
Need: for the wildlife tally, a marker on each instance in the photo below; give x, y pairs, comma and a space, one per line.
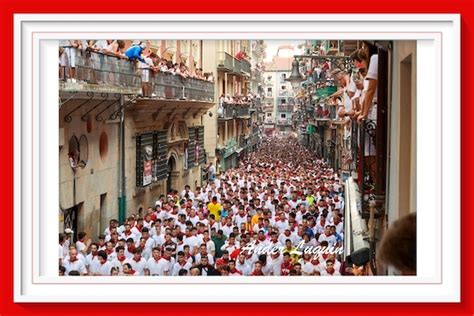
137, 266
177, 266
104, 269
77, 265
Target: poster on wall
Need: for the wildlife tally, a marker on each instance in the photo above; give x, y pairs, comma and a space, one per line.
147, 165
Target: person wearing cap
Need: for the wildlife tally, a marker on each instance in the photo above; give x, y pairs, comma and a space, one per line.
135, 51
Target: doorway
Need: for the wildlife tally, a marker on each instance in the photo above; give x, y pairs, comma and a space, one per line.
171, 169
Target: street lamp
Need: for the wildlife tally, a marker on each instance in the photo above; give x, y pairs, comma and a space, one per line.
295, 77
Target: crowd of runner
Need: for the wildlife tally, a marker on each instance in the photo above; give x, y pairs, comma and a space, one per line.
274, 215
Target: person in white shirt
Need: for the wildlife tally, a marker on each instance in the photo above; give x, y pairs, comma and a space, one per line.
231, 244
181, 263
210, 245
127, 233
92, 260
105, 267
191, 240
187, 191
282, 223
120, 260
72, 263
82, 245
330, 269
137, 262
327, 236
242, 265
276, 259
166, 263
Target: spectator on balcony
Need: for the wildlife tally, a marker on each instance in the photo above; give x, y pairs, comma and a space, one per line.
240, 55
146, 68
135, 51
370, 86
70, 49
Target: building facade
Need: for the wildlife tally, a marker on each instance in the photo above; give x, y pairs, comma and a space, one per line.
119, 150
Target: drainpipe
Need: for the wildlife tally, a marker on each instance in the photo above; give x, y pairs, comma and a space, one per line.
121, 184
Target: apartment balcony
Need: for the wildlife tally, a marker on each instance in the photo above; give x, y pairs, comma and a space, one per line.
225, 62
102, 73
267, 108
284, 122
285, 108
229, 111
169, 86
242, 110
328, 113
245, 67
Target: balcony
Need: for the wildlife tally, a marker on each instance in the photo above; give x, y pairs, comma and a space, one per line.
225, 61
242, 110
284, 122
99, 72
286, 108
228, 63
328, 113
226, 112
229, 111
169, 86
245, 67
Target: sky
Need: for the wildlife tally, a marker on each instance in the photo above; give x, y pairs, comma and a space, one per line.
272, 47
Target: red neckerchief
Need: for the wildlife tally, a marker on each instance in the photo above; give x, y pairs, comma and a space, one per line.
325, 255
261, 238
255, 272
94, 253
330, 272
109, 252
136, 259
131, 249
72, 261
128, 233
234, 270
121, 258
131, 272
139, 228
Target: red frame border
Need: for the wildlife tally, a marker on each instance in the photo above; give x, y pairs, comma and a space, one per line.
10, 7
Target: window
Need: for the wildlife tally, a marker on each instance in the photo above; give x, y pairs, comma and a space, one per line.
269, 90
269, 114
282, 101
283, 87
269, 78
283, 116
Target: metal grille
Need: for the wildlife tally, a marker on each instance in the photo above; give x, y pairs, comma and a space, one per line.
202, 156
191, 147
157, 141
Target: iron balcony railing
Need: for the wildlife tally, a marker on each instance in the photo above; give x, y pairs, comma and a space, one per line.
284, 122
97, 71
170, 86
229, 110
242, 110
225, 61
226, 111
285, 108
245, 66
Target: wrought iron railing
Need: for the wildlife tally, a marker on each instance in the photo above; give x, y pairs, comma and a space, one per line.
285, 108
226, 111
97, 71
170, 86
245, 66
225, 61
242, 110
